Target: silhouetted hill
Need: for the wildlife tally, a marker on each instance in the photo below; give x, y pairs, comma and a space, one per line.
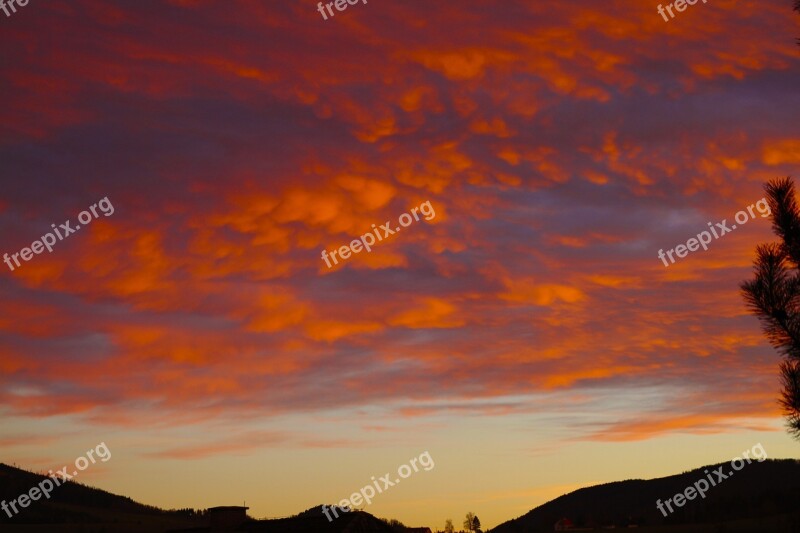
74, 503
769, 488
74, 507
313, 521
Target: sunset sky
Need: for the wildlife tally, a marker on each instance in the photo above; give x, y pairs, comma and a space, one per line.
527, 336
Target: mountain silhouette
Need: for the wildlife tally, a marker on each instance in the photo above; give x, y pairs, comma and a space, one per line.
73, 503
769, 489
762, 497
313, 521
77, 507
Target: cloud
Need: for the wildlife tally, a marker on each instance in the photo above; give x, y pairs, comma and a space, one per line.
561, 145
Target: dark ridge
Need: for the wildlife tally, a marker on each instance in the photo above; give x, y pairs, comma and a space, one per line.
758, 490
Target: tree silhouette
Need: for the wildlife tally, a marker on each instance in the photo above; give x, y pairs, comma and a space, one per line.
448, 526
773, 295
395, 524
469, 521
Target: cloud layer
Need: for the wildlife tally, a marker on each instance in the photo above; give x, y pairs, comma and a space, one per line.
562, 144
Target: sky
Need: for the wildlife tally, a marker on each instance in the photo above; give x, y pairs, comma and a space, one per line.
523, 331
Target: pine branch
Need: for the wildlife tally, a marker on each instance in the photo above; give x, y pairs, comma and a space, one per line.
773, 297
785, 215
790, 398
773, 294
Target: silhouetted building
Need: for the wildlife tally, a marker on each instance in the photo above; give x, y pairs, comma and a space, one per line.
227, 517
